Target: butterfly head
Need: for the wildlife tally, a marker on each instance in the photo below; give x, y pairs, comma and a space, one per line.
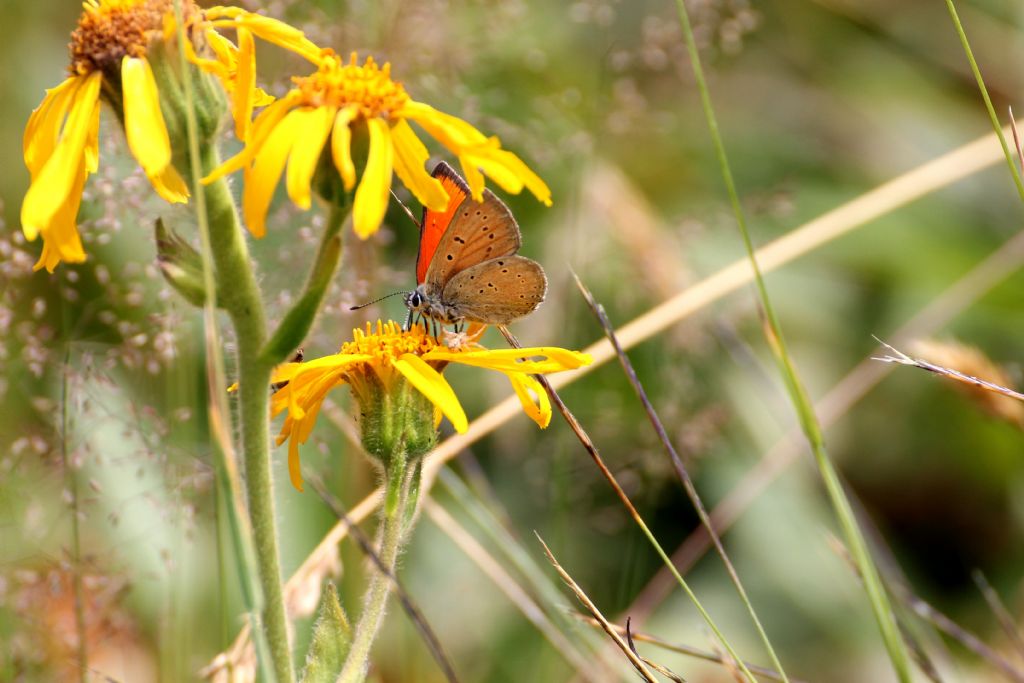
421, 303
416, 300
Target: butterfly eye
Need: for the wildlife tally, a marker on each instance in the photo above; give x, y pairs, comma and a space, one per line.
415, 300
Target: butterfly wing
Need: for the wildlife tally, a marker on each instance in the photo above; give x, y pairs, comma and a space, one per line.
474, 233
435, 223
497, 291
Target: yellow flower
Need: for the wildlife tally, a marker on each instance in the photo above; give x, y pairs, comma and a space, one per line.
235, 66
388, 355
109, 59
323, 111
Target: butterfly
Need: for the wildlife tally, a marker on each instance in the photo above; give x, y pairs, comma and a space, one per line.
467, 269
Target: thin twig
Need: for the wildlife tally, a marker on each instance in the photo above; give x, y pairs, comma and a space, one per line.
595, 455
1003, 616
76, 535
413, 611
1018, 181
677, 463
904, 359
959, 634
1016, 140
687, 650
799, 397
514, 559
516, 594
930, 614
663, 670
837, 402
596, 613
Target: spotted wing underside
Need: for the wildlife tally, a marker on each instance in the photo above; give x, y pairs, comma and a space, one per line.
499, 290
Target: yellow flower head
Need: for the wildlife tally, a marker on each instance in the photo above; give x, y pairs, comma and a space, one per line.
326, 107
111, 57
386, 357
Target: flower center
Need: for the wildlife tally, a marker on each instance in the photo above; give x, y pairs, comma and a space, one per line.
110, 30
369, 87
389, 341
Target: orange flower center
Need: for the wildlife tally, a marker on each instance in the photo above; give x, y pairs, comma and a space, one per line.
336, 84
110, 30
388, 342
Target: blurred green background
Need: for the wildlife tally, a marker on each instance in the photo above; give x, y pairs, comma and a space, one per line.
819, 101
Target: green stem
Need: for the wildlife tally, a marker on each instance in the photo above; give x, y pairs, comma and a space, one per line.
984, 96
238, 293
393, 527
296, 324
877, 596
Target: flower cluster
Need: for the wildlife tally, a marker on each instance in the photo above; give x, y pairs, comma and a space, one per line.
122, 52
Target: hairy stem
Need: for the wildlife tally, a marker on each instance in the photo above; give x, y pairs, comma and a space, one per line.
392, 532
238, 293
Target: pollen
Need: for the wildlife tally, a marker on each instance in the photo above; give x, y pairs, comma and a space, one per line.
368, 86
110, 30
388, 341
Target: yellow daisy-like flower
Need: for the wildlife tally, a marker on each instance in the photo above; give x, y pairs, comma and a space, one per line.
109, 59
387, 355
235, 65
323, 111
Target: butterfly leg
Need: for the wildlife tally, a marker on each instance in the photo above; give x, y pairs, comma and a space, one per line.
408, 321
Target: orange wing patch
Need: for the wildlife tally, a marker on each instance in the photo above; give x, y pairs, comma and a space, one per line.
435, 223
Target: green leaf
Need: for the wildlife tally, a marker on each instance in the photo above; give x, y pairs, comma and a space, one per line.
332, 637
180, 264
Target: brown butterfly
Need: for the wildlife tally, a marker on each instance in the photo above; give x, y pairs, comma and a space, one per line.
467, 269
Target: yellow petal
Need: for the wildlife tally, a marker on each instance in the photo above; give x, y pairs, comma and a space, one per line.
92, 144
539, 412
450, 131
434, 386
262, 178
316, 125
506, 179
477, 152
61, 241
146, 131
224, 52
294, 464
301, 423
43, 128
410, 156
509, 171
245, 81
554, 359
341, 145
266, 28
48, 258
473, 177
59, 175
301, 377
371, 201
262, 127
223, 49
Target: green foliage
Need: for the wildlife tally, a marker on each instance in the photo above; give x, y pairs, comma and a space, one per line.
332, 636
180, 264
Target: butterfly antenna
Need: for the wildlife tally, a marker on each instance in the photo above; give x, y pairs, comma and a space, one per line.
408, 211
370, 303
